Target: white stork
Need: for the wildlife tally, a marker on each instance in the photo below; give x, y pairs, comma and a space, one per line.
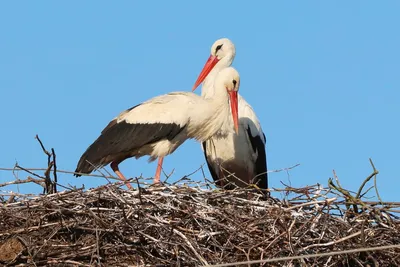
160, 125
237, 159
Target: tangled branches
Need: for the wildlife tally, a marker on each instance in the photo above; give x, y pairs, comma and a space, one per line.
190, 226
188, 223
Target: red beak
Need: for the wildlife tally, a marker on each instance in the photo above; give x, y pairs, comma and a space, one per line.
211, 62
233, 98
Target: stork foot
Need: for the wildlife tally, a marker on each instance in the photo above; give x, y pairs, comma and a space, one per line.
114, 167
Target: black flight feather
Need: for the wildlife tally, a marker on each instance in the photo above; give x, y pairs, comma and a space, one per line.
261, 162
118, 140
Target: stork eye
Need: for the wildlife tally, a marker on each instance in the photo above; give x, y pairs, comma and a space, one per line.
218, 48
234, 83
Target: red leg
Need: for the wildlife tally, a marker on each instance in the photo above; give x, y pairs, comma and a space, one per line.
158, 171
114, 167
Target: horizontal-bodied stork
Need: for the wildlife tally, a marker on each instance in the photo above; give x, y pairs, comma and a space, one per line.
233, 160
160, 125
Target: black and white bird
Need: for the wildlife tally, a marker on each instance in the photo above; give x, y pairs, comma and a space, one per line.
233, 160
160, 125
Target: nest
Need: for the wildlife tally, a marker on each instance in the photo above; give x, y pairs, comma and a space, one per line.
190, 225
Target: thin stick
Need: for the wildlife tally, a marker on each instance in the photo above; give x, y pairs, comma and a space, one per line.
373, 174
308, 256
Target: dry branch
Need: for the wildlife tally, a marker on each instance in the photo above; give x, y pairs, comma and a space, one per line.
187, 223
191, 226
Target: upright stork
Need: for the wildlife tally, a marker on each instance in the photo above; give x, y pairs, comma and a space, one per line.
160, 125
233, 160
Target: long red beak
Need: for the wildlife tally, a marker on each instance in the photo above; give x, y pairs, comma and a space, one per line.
233, 98
211, 62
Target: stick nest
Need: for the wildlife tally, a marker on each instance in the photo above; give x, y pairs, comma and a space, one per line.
191, 224
182, 225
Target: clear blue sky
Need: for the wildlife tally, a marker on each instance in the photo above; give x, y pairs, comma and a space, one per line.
322, 76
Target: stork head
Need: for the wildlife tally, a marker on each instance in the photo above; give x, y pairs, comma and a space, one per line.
222, 50
229, 79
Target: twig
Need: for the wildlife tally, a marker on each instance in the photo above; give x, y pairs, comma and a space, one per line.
28, 171
373, 174
27, 180
327, 202
191, 247
44, 149
332, 242
51, 186
308, 256
375, 185
285, 169
54, 169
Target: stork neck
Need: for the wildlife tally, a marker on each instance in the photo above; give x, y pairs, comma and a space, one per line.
217, 113
207, 90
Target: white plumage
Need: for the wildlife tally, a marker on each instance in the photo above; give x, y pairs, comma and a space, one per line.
160, 125
196, 118
241, 159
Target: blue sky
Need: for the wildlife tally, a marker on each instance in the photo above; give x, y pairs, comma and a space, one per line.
322, 76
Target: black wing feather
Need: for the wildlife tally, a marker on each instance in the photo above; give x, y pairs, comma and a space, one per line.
261, 162
213, 172
121, 139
